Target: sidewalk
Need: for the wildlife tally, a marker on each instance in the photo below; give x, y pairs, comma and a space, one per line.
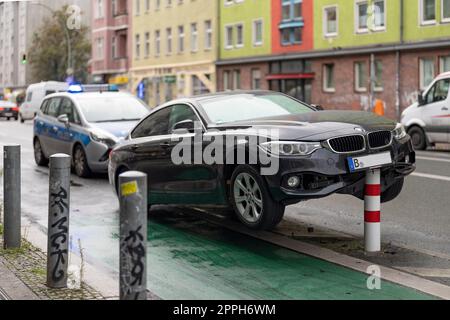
23, 277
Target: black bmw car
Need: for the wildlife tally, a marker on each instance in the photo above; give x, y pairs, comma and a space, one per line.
269, 151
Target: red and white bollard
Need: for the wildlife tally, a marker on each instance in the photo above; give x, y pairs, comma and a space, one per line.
372, 211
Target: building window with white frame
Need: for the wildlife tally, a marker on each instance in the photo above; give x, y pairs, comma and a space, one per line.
258, 32
158, 5
229, 41
137, 44
328, 77
99, 9
114, 7
444, 64
378, 20
236, 79
169, 40
427, 11
445, 8
114, 47
256, 79
362, 18
147, 45
180, 39
239, 35
226, 80
157, 43
426, 72
100, 48
137, 7
360, 77
378, 76
194, 37
208, 35
147, 6
330, 21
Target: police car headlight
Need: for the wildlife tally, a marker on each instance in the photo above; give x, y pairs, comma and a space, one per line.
103, 138
287, 148
399, 131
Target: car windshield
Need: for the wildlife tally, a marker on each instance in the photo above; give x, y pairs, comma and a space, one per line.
250, 106
6, 104
110, 109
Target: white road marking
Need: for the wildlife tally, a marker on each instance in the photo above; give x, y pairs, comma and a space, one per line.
433, 159
427, 272
430, 176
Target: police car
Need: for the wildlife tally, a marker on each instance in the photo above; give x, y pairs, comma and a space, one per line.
85, 122
428, 120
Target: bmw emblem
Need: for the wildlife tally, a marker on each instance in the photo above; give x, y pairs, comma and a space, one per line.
359, 129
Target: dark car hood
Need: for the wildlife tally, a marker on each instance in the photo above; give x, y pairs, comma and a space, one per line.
318, 125
119, 129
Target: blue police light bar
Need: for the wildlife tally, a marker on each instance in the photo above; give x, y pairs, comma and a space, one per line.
75, 88
78, 88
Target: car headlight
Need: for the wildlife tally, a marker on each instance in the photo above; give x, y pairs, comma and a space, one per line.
288, 148
103, 138
399, 131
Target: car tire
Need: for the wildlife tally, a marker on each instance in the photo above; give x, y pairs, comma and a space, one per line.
22, 120
251, 200
393, 191
418, 138
80, 163
39, 156
7, 119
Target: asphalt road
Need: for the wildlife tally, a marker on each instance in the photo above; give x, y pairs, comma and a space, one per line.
419, 218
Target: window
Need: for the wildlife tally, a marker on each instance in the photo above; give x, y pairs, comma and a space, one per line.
426, 72
158, 4
137, 7
292, 22
53, 106
208, 34
114, 47
198, 87
378, 75
29, 96
229, 42
362, 16
114, 7
239, 35
99, 9
258, 32
169, 40
68, 109
194, 37
236, 79
256, 79
180, 39
291, 36
137, 46
168, 3
328, 77
226, 80
330, 21
147, 5
291, 9
99, 48
360, 77
157, 42
444, 64
445, 10
427, 11
156, 124
439, 92
147, 45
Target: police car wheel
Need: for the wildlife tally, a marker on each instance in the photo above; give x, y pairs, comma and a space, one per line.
80, 163
39, 156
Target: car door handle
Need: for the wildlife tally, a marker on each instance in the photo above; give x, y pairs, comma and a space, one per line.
165, 145
444, 109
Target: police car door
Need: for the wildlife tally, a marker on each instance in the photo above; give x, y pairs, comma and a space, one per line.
436, 111
51, 126
68, 132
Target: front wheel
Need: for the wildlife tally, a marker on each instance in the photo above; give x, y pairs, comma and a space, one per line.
39, 157
22, 120
418, 138
80, 163
252, 202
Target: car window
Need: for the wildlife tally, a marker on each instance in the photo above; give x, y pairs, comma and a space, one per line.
68, 108
49, 92
156, 124
52, 108
29, 96
439, 92
44, 106
181, 112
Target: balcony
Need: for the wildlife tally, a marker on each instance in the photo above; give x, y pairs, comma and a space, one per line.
120, 20
115, 65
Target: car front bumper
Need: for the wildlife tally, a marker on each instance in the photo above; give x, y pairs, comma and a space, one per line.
325, 172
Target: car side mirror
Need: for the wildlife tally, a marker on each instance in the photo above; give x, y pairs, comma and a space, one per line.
420, 99
63, 119
183, 126
317, 107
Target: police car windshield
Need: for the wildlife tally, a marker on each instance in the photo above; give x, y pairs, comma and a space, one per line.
112, 109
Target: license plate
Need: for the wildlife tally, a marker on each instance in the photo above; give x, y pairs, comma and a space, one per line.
8, 114
369, 162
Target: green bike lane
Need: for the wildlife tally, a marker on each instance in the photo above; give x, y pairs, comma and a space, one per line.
189, 258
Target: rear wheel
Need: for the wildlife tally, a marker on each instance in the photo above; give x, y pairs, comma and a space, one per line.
80, 162
39, 157
22, 120
393, 191
252, 202
418, 138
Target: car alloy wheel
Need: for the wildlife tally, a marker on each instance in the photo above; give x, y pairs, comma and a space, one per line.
39, 156
80, 163
248, 197
418, 138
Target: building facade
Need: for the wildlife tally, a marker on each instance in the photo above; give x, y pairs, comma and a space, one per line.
19, 20
111, 43
174, 49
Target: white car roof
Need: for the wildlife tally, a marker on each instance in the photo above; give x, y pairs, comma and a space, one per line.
89, 95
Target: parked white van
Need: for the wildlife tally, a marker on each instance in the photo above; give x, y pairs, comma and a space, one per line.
428, 120
35, 94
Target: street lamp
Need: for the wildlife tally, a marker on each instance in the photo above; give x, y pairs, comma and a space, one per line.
66, 32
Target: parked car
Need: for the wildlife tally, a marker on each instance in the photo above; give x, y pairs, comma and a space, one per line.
35, 94
8, 110
428, 120
317, 152
85, 125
